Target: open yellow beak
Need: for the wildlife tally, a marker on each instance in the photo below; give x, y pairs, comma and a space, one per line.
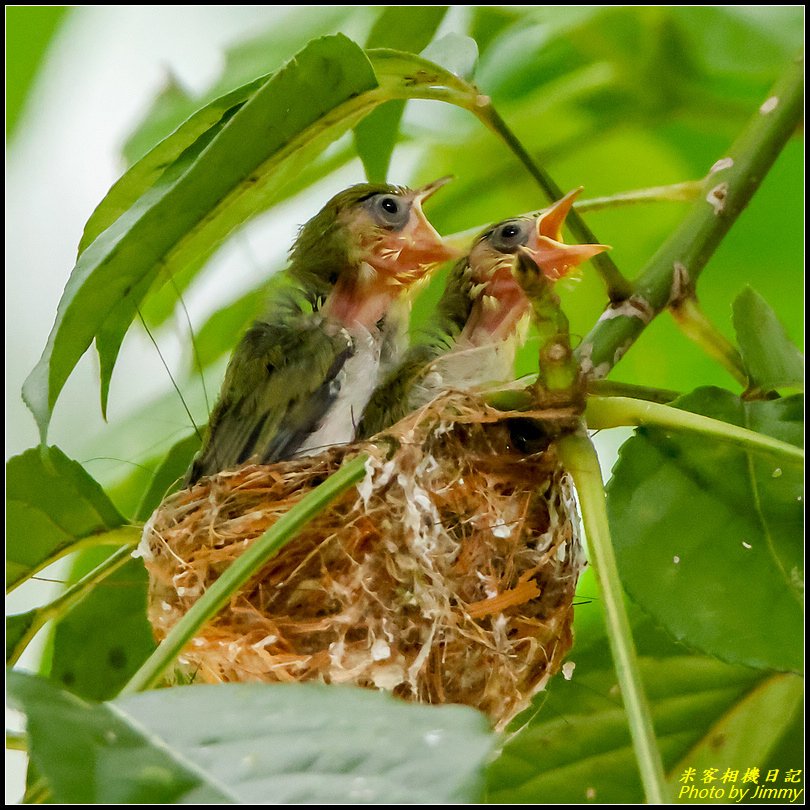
423, 239
546, 247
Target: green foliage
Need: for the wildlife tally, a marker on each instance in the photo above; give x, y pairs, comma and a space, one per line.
576, 745
250, 743
52, 507
770, 357
96, 665
710, 526
574, 85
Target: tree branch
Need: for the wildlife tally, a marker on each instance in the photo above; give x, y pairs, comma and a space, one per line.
673, 271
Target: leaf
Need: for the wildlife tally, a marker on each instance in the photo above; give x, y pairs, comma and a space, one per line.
576, 747
205, 194
456, 53
405, 28
168, 476
250, 744
737, 737
52, 505
771, 358
203, 198
709, 538
104, 639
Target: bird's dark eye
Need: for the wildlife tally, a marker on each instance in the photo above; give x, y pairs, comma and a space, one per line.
509, 236
390, 211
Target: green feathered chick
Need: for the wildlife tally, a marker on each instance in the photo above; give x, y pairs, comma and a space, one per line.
301, 377
482, 318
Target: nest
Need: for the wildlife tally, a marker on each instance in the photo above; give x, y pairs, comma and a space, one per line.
446, 576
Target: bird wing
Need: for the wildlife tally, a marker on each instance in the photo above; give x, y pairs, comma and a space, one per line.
277, 388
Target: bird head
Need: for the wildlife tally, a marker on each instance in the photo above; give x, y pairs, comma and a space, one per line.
391, 235
539, 237
495, 266
370, 232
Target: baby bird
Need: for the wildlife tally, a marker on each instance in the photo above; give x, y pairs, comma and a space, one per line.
482, 318
301, 377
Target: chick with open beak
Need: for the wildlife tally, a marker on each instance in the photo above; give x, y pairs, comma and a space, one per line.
301, 377
483, 316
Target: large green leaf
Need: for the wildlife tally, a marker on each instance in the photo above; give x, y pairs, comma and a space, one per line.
406, 28
771, 358
576, 747
212, 187
102, 642
709, 538
53, 505
216, 184
252, 744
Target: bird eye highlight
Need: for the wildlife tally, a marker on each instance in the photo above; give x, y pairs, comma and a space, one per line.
509, 236
390, 211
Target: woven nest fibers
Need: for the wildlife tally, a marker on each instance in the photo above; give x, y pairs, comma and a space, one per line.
446, 576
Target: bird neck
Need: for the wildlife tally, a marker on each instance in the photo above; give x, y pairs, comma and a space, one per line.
497, 310
359, 301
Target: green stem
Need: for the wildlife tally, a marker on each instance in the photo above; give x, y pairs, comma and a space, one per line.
609, 388
558, 376
687, 191
579, 457
610, 412
122, 536
240, 571
697, 327
618, 287
680, 260
677, 192
16, 740
69, 599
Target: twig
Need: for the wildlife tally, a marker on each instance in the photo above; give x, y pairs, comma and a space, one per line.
579, 457
610, 412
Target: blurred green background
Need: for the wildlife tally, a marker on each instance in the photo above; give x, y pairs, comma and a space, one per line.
611, 98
